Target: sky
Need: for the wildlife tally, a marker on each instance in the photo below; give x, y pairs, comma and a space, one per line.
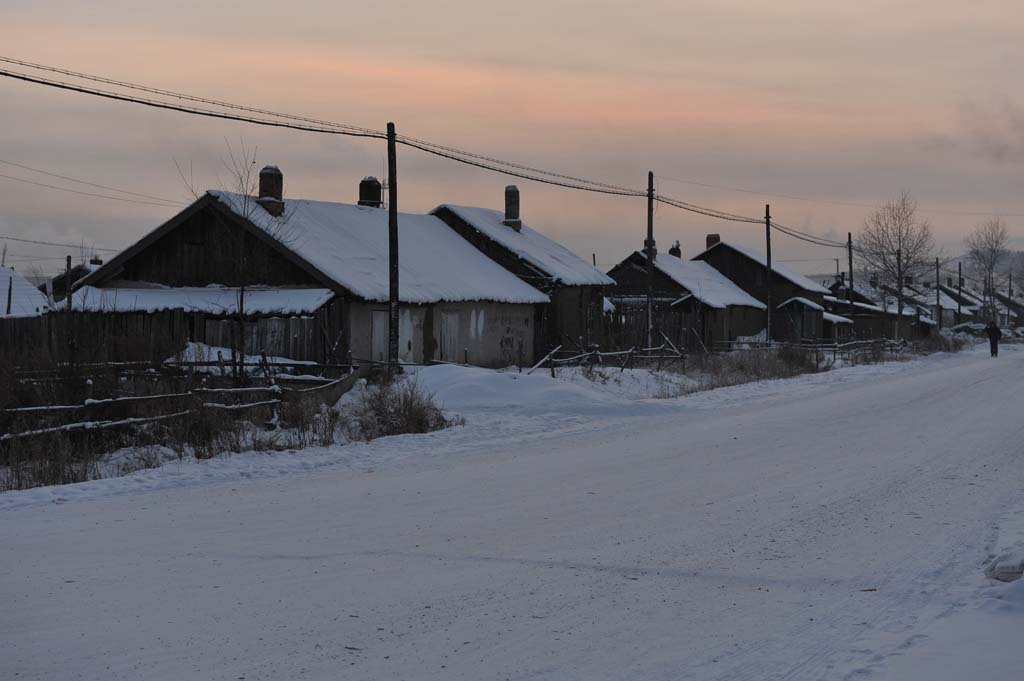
850, 103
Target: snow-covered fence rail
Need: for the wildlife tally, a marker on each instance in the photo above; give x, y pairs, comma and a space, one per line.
94, 425
133, 399
851, 350
662, 356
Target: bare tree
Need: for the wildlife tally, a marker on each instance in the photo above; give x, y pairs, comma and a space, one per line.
243, 180
896, 243
987, 249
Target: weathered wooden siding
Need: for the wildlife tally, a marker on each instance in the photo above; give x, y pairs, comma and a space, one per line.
211, 247
320, 337
90, 337
485, 334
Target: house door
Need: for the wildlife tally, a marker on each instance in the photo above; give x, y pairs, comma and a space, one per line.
450, 350
379, 335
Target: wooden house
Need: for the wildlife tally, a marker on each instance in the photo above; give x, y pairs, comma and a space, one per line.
749, 271
695, 305
309, 280
575, 315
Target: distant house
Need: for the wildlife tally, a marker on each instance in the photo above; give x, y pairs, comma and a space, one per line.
58, 285
1014, 305
576, 288
18, 297
874, 311
798, 301
309, 280
696, 305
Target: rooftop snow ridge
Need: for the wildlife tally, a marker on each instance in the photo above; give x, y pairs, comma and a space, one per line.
783, 271
705, 283
349, 244
541, 251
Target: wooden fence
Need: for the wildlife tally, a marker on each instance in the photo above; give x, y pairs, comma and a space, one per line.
133, 411
92, 337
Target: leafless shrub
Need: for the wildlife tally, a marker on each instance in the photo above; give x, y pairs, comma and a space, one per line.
941, 342
308, 422
395, 407
44, 460
746, 366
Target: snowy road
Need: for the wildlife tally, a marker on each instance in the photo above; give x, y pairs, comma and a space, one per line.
803, 537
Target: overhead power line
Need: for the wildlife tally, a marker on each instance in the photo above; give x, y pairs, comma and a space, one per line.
91, 184
76, 191
304, 123
307, 124
832, 202
52, 243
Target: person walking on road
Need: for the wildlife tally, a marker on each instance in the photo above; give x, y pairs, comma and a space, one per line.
994, 334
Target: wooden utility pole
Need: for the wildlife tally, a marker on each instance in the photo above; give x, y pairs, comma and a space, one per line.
849, 256
899, 291
768, 251
392, 253
938, 299
959, 288
651, 255
10, 293
67, 283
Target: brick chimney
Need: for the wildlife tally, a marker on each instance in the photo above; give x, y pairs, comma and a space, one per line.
271, 195
371, 192
711, 240
512, 208
676, 250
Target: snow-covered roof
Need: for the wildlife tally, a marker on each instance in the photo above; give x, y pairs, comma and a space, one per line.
835, 319
802, 301
349, 244
781, 270
26, 299
705, 283
210, 299
542, 252
927, 296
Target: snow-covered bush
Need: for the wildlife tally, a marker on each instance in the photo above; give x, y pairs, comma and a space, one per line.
942, 342
745, 366
393, 407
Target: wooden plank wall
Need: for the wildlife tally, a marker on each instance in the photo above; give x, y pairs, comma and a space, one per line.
88, 337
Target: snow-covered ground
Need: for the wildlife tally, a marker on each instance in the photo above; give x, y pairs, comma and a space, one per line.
824, 527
